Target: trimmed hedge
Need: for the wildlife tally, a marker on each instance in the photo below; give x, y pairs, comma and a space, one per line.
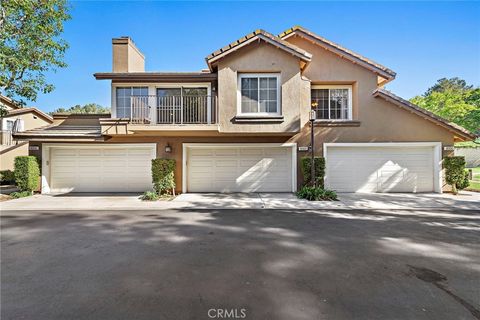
455, 174
319, 170
316, 194
27, 173
163, 175
7, 177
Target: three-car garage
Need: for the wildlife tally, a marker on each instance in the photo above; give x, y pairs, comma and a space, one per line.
242, 167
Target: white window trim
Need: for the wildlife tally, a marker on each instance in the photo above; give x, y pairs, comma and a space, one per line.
125, 85
6, 121
337, 86
239, 94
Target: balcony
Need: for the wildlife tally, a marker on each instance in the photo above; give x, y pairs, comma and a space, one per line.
173, 110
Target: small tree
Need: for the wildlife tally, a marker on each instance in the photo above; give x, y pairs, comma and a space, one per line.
27, 173
163, 175
455, 174
319, 170
30, 46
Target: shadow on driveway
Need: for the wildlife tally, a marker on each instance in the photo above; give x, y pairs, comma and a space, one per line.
277, 264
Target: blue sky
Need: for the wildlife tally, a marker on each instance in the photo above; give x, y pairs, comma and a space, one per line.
421, 41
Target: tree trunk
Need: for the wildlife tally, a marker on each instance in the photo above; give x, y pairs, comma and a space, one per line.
454, 188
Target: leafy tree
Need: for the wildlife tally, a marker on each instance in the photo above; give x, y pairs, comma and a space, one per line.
30, 45
444, 84
86, 109
3, 111
453, 100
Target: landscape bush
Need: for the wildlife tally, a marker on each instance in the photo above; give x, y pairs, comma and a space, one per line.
7, 177
163, 176
21, 194
27, 173
455, 174
319, 163
316, 194
149, 196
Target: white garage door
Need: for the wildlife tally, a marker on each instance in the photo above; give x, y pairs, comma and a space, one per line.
239, 169
380, 169
125, 168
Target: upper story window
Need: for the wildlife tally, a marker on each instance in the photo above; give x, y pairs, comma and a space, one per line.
332, 102
9, 125
123, 99
259, 93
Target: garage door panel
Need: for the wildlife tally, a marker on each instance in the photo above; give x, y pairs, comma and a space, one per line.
223, 152
239, 169
101, 168
251, 151
380, 169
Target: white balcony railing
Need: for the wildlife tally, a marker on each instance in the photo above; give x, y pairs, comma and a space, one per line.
182, 109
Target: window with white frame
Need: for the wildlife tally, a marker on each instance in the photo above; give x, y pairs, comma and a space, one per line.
123, 99
332, 102
259, 93
10, 124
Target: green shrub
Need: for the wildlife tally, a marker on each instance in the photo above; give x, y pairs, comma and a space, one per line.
7, 177
464, 183
319, 170
27, 173
316, 194
163, 175
149, 196
455, 174
21, 194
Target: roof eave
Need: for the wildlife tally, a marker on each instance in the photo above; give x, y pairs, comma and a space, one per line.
41, 114
387, 75
46, 137
158, 77
211, 60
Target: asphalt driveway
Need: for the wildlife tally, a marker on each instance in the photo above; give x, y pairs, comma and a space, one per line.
274, 264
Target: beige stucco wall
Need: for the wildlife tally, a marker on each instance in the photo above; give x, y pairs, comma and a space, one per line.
380, 121
261, 58
8, 154
126, 56
30, 120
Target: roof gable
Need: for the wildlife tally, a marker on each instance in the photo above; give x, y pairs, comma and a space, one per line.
30, 110
459, 131
8, 102
382, 71
258, 35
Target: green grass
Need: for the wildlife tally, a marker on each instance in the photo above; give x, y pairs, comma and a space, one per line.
468, 144
475, 182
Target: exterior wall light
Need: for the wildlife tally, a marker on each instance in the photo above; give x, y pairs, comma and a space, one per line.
168, 148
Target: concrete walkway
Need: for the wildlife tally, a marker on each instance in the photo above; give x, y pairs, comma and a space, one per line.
465, 200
